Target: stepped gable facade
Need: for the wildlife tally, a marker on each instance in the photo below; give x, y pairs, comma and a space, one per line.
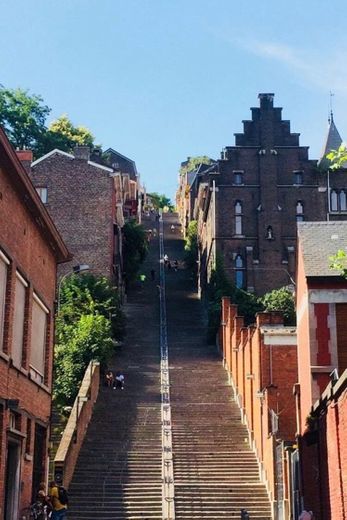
85, 200
249, 205
30, 249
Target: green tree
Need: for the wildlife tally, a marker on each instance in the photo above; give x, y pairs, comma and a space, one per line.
281, 300
88, 323
88, 293
193, 162
219, 286
160, 201
191, 245
338, 157
135, 249
62, 134
76, 345
338, 160
23, 117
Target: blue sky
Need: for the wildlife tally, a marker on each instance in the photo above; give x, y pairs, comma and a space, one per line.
159, 80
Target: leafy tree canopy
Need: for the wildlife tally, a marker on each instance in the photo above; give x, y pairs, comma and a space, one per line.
191, 245
135, 249
338, 157
88, 322
193, 162
160, 201
281, 300
23, 117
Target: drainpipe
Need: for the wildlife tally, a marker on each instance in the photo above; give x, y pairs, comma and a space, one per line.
214, 223
328, 195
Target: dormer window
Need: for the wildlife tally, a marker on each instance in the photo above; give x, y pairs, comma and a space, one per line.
238, 177
298, 176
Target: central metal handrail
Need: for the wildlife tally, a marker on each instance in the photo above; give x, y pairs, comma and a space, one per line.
168, 488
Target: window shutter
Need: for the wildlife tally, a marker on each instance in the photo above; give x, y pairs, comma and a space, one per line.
38, 336
18, 321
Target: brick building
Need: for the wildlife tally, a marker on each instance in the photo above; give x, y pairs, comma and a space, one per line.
131, 181
85, 199
321, 394
30, 248
248, 204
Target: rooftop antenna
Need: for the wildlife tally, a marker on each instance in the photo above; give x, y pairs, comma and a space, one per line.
331, 115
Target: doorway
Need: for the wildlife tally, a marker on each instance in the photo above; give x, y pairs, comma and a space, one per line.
12, 482
39, 458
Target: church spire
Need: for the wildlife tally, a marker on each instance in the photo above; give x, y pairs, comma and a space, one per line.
333, 139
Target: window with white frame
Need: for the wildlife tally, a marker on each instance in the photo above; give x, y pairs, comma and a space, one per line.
299, 211
338, 200
38, 336
4, 263
18, 320
238, 218
334, 205
43, 194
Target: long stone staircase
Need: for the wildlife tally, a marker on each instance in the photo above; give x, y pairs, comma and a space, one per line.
119, 471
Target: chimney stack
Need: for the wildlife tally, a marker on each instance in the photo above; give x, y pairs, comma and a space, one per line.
82, 152
26, 158
266, 100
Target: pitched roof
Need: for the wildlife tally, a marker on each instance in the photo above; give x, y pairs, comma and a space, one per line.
333, 142
126, 165
319, 241
49, 154
31, 199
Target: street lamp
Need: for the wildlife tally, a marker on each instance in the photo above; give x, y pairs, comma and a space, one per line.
77, 269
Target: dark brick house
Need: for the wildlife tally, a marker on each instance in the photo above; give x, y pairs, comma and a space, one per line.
30, 248
130, 177
249, 203
84, 198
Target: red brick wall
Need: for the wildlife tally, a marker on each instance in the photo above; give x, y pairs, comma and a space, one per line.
323, 456
248, 363
21, 239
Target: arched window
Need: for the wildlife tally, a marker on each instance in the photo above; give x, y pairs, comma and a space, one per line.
299, 211
333, 201
239, 272
269, 233
238, 218
343, 204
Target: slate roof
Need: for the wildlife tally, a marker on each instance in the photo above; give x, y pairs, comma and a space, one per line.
319, 241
